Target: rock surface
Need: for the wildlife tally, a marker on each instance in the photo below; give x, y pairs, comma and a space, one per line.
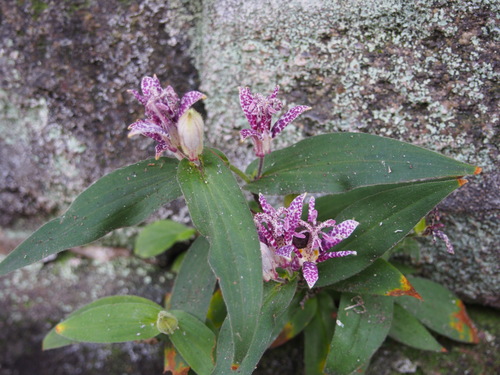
425, 72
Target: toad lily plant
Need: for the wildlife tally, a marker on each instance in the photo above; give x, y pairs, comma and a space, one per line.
324, 269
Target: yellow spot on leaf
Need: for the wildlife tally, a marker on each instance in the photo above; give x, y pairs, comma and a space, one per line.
461, 181
60, 328
478, 170
174, 363
406, 289
461, 323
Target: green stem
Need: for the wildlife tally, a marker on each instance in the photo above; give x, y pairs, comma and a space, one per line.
261, 166
240, 173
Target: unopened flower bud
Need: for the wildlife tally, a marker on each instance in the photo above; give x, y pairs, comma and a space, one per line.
166, 322
190, 129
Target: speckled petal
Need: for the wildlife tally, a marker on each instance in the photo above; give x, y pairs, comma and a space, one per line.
310, 272
150, 86
275, 92
295, 210
287, 118
145, 127
312, 214
335, 254
245, 133
188, 100
266, 207
339, 233
247, 103
444, 237
160, 148
286, 251
142, 99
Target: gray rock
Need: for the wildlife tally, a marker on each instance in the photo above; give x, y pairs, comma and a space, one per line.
423, 72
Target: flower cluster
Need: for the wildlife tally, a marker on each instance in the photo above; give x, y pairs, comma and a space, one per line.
290, 243
259, 111
170, 121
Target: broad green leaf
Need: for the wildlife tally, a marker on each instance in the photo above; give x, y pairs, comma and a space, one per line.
277, 299
409, 331
408, 246
124, 320
359, 333
195, 282
335, 163
159, 236
53, 340
225, 351
440, 310
318, 334
194, 341
220, 212
385, 219
330, 206
122, 198
299, 316
173, 361
216, 311
381, 278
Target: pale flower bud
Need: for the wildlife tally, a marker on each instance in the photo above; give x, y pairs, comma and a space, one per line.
190, 129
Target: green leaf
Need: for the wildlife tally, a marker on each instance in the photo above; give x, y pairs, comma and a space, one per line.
385, 219
381, 278
122, 198
195, 282
216, 311
440, 310
117, 319
359, 333
318, 334
159, 236
334, 163
194, 341
220, 212
409, 331
277, 299
52, 340
299, 316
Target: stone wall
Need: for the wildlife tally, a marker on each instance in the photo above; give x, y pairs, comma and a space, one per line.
424, 72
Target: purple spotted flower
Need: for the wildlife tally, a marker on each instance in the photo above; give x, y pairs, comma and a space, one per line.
434, 229
163, 111
292, 244
259, 111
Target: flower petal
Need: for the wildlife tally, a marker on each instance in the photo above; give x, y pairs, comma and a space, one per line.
312, 214
287, 118
188, 100
247, 103
151, 86
266, 207
145, 127
285, 251
245, 133
274, 94
310, 272
444, 237
335, 254
339, 233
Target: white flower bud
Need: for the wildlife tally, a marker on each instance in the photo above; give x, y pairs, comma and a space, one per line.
190, 129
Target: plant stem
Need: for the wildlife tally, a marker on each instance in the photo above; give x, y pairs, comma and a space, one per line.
239, 172
261, 166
